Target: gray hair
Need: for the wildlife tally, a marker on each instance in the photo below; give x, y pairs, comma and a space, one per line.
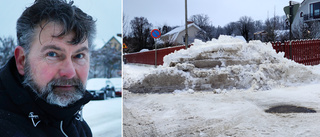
69, 16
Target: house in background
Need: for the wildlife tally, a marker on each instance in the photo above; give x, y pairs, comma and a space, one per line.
278, 35
113, 43
106, 61
177, 35
260, 35
308, 12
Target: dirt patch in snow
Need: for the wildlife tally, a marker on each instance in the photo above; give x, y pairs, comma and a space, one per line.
289, 109
159, 83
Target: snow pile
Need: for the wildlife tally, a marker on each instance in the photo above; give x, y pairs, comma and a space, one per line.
133, 74
144, 50
223, 64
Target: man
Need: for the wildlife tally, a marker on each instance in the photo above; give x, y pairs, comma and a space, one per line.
42, 88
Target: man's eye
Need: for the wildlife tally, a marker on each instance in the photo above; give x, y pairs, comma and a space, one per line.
52, 54
79, 56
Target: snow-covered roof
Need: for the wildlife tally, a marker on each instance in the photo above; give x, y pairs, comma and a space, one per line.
237, 37
113, 37
260, 32
180, 29
175, 32
241, 38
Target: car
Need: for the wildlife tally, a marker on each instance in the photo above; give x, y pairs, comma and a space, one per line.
101, 88
117, 82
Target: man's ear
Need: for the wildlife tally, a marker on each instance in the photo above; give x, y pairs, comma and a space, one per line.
20, 57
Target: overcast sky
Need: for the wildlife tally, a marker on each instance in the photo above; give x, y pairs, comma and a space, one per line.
220, 12
106, 12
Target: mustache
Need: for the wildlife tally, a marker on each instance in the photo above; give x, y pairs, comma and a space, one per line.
75, 82
65, 82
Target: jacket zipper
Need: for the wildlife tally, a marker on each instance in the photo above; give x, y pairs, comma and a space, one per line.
61, 123
81, 119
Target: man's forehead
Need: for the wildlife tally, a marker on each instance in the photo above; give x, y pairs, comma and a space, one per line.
52, 30
48, 33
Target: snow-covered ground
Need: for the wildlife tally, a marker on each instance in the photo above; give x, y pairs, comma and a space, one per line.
236, 113
104, 117
253, 78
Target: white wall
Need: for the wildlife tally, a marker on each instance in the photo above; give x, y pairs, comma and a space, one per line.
304, 7
192, 32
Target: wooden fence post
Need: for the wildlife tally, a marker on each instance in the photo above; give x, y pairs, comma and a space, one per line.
290, 49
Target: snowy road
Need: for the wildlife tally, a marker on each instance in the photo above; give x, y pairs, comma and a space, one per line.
236, 113
104, 117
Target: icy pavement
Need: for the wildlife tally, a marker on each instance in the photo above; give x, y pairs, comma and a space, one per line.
104, 117
235, 113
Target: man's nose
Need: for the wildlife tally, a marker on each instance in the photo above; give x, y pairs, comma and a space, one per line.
67, 69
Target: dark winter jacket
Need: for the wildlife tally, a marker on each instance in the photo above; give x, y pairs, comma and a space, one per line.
23, 114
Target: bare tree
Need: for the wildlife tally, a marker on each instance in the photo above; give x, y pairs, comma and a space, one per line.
302, 31
275, 25
125, 25
219, 31
200, 20
204, 23
140, 34
7, 46
231, 28
166, 28
246, 27
105, 62
269, 27
315, 29
258, 25
283, 24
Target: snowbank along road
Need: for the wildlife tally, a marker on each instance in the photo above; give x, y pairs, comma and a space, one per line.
221, 88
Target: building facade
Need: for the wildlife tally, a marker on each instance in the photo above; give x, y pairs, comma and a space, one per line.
177, 35
308, 12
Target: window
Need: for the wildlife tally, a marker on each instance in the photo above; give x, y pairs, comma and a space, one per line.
315, 10
311, 10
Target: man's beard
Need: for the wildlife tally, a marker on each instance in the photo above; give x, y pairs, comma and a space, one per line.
50, 93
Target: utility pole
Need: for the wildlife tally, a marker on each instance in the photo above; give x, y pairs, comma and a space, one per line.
290, 19
290, 22
186, 17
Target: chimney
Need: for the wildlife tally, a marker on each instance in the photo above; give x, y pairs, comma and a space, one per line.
189, 22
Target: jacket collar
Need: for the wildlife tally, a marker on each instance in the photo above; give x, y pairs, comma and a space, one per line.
27, 101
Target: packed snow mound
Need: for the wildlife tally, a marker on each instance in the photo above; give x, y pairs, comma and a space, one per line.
223, 64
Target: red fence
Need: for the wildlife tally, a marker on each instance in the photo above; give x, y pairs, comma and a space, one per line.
306, 52
148, 57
